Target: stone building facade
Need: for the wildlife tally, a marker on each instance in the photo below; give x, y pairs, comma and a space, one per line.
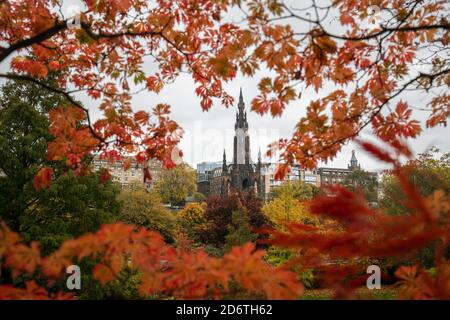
135, 175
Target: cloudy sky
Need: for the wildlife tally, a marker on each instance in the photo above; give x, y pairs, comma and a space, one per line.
207, 134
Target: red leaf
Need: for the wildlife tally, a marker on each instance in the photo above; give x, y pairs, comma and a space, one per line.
281, 172
103, 273
377, 152
43, 178
105, 175
127, 164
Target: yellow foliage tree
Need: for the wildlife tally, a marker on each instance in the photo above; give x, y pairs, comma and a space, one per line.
191, 218
286, 209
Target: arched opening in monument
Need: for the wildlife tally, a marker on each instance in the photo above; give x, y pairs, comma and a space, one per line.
245, 184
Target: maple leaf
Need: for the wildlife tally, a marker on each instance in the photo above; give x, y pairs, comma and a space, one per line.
33, 68
342, 75
407, 273
127, 164
31, 292
43, 178
281, 171
105, 175
103, 273
155, 83
222, 66
327, 44
24, 258
141, 117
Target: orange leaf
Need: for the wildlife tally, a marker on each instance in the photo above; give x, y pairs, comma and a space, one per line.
127, 164
103, 273
43, 178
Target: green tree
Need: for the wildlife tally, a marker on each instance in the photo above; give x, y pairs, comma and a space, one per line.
175, 185
363, 182
23, 141
145, 209
239, 230
71, 206
428, 173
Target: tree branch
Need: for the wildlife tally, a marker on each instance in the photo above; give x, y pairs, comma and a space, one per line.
68, 97
57, 27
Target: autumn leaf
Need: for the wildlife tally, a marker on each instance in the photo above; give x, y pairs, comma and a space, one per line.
43, 178
155, 83
31, 292
105, 175
407, 273
24, 259
281, 171
127, 164
141, 117
327, 44
103, 273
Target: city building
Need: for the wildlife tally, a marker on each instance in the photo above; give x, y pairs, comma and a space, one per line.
337, 175
203, 167
137, 174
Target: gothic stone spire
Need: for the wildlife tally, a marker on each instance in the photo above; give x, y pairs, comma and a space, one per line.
241, 115
241, 154
224, 163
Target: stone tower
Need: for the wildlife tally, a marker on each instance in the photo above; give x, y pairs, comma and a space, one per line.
354, 162
244, 174
241, 151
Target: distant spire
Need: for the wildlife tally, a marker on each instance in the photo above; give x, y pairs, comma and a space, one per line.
241, 102
241, 98
224, 163
354, 162
353, 156
241, 115
259, 155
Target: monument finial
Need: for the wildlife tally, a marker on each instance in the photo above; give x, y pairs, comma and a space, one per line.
241, 98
